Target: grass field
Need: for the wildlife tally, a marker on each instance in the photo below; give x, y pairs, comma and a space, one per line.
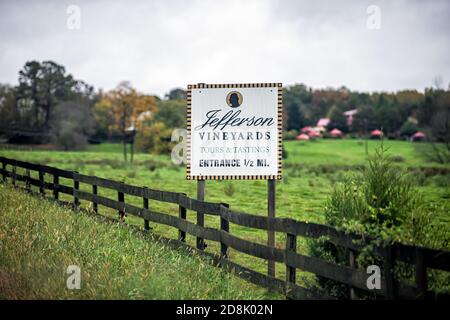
39, 240
310, 171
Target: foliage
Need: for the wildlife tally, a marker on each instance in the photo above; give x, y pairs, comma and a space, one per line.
435, 116
229, 189
381, 202
176, 94
42, 86
290, 135
172, 113
408, 129
154, 138
337, 119
128, 109
71, 124
7, 106
104, 120
293, 99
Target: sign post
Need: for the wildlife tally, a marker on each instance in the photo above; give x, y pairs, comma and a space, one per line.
234, 132
271, 214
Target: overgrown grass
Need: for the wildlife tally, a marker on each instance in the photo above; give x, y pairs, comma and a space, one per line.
309, 174
39, 240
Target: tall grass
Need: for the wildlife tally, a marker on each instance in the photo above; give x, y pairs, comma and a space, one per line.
39, 240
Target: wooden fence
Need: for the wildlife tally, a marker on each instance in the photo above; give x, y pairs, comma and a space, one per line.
422, 258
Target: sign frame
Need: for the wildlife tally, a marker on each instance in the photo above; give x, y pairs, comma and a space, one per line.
279, 87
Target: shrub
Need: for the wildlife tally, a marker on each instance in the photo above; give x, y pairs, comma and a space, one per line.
154, 138
229, 189
398, 158
290, 135
408, 129
380, 201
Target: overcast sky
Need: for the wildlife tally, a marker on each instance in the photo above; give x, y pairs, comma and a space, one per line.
158, 45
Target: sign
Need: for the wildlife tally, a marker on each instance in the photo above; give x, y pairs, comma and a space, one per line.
234, 131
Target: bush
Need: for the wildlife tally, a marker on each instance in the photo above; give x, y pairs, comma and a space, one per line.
67, 137
408, 129
290, 135
154, 138
380, 201
229, 189
71, 123
398, 158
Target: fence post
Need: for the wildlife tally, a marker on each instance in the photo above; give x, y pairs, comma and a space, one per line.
182, 215
94, 202
352, 263
271, 214
121, 211
14, 174
201, 245
55, 186
76, 187
145, 203
27, 181
421, 274
291, 246
41, 182
224, 227
389, 260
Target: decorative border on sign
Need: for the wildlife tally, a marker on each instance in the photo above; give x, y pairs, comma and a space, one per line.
238, 85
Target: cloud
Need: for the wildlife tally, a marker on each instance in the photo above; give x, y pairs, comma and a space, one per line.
158, 45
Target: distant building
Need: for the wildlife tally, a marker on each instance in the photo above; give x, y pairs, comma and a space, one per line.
336, 133
349, 114
306, 129
323, 122
418, 136
303, 137
376, 134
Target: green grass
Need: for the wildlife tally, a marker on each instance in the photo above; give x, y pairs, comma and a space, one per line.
309, 173
39, 240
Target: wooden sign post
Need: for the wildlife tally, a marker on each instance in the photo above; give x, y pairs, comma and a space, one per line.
271, 214
234, 132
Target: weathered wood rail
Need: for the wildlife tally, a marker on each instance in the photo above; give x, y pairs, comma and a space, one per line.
422, 258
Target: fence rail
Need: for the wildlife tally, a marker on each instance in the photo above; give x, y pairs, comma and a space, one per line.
421, 258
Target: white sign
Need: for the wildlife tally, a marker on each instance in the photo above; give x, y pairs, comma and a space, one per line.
234, 131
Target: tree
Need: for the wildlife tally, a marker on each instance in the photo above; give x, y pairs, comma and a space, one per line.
437, 126
176, 94
104, 119
71, 124
154, 137
42, 86
172, 113
127, 105
294, 98
7, 106
408, 129
338, 119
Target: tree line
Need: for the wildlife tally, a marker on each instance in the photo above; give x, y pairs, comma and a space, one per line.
50, 106
397, 114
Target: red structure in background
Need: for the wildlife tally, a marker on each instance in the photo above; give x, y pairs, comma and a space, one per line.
336, 133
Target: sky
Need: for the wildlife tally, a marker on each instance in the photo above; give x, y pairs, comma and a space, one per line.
159, 45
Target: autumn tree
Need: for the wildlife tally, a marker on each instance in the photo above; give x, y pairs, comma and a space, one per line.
128, 108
